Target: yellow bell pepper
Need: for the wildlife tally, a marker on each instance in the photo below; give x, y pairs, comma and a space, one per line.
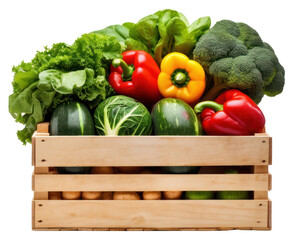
181, 78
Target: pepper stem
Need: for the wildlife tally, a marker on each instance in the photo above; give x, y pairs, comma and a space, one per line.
180, 78
127, 70
208, 104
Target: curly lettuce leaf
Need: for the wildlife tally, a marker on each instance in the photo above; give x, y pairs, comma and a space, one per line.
59, 74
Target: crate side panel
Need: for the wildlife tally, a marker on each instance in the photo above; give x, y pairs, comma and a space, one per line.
151, 182
151, 214
151, 150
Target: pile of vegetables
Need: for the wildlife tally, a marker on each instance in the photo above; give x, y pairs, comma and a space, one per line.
146, 195
160, 76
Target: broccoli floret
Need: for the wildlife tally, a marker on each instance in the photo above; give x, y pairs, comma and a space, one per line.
234, 56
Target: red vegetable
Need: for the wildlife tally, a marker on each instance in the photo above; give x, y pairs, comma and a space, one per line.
232, 113
135, 75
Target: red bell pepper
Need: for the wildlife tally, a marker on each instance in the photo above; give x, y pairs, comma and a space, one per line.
232, 113
135, 75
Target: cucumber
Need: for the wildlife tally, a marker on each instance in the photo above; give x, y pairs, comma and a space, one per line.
72, 118
171, 116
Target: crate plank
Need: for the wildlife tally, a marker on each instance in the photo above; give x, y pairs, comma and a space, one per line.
151, 150
151, 214
262, 194
43, 127
151, 182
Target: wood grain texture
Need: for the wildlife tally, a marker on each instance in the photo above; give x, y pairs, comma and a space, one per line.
151, 214
43, 127
151, 150
151, 182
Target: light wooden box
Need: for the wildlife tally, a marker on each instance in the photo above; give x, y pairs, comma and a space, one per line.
53, 151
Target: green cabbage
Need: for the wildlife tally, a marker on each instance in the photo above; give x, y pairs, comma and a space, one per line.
121, 115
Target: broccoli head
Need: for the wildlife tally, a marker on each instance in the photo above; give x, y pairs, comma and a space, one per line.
234, 56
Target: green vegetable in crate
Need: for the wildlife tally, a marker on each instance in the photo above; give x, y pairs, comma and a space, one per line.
160, 33
199, 195
122, 115
59, 74
72, 118
232, 194
234, 56
172, 116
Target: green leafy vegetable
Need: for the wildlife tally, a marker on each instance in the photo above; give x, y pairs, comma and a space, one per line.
121, 115
60, 74
160, 33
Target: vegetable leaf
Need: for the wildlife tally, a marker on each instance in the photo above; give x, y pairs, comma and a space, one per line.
59, 74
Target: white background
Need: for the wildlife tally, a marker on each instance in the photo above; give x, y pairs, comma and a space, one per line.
27, 26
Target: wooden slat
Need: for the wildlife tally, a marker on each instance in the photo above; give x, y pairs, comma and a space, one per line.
43, 127
151, 150
151, 214
262, 194
40, 195
151, 182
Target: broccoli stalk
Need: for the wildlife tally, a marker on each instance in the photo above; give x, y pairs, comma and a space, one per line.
234, 56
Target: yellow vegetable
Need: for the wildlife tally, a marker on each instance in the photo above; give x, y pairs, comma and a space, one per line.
91, 195
71, 195
181, 78
126, 196
151, 195
172, 194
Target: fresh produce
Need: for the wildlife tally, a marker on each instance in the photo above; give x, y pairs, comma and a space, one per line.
121, 115
37, 93
71, 195
181, 78
126, 196
232, 195
148, 195
91, 195
72, 118
170, 195
234, 56
199, 195
232, 113
135, 75
160, 33
172, 116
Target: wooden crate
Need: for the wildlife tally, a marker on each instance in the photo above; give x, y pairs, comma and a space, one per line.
209, 151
